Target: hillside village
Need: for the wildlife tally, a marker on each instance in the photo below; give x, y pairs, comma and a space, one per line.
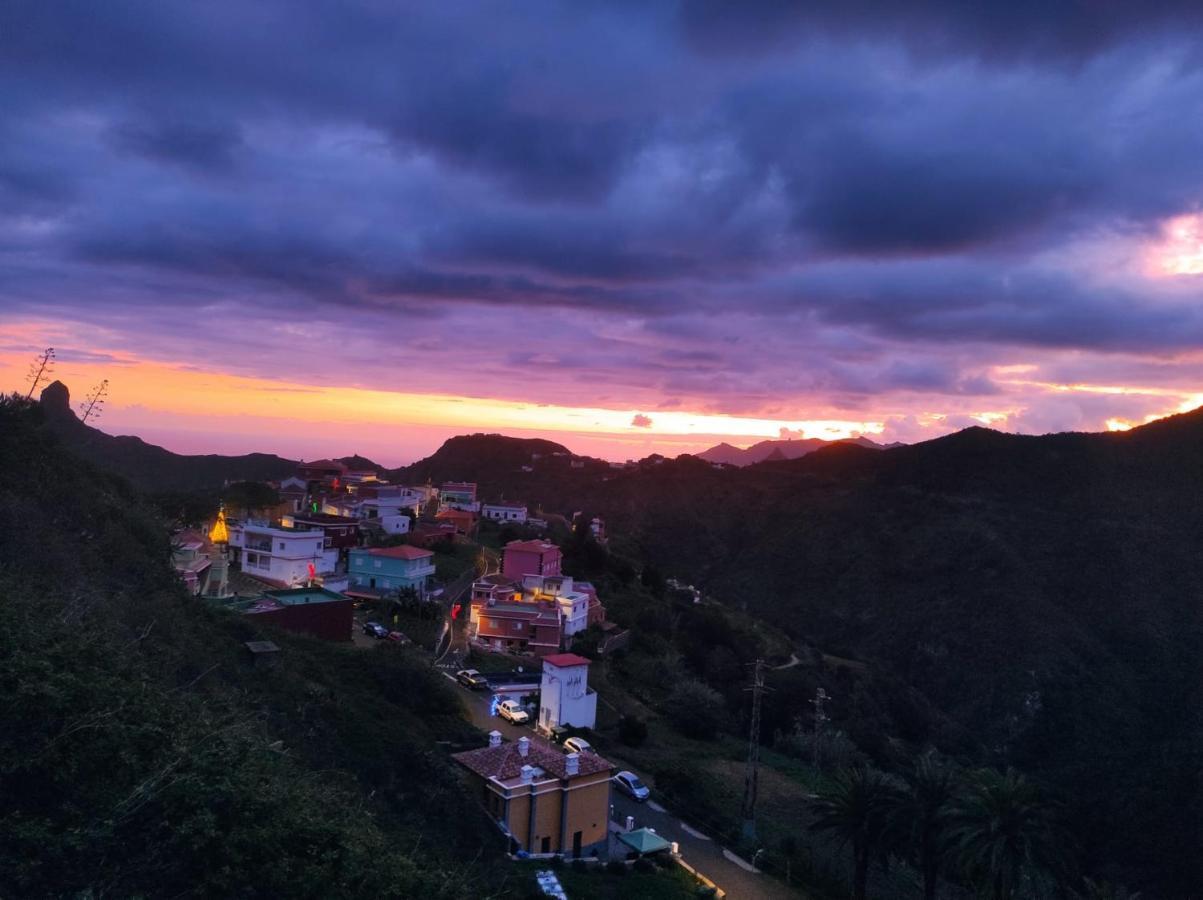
600, 706
341, 551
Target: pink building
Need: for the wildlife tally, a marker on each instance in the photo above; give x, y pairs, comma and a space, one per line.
524, 558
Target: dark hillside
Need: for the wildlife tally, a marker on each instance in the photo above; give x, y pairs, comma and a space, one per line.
140, 754
1041, 594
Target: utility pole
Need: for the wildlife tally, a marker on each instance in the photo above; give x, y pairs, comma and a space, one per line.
39, 369
752, 772
821, 697
93, 404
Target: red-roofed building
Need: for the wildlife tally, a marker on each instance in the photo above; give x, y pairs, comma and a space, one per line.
545, 800
321, 470
382, 571
464, 520
516, 627
523, 558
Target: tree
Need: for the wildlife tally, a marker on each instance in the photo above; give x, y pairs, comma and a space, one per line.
856, 809
1001, 833
696, 710
921, 814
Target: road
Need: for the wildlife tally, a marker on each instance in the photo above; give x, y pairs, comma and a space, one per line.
704, 854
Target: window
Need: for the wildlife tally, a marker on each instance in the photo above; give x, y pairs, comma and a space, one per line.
517, 626
376, 563
281, 545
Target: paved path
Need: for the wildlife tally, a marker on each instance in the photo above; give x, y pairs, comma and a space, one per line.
734, 875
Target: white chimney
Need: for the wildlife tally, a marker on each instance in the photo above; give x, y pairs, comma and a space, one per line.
494, 738
523, 746
572, 764
528, 774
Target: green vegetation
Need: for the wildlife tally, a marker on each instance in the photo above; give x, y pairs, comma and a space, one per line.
597, 883
141, 754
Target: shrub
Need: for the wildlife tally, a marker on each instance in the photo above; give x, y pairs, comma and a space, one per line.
616, 867
644, 864
696, 710
632, 731
579, 865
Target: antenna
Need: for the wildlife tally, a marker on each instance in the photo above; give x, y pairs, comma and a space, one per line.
39, 369
93, 404
752, 772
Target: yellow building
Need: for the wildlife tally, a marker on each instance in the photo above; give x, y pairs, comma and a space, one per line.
545, 800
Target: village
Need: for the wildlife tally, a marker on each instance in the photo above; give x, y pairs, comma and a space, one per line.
343, 556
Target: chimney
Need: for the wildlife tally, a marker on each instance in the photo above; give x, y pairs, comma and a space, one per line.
523, 746
572, 764
528, 774
494, 738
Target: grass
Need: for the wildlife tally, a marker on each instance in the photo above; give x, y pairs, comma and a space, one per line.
596, 883
500, 662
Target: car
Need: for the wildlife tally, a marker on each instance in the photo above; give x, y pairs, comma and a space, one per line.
630, 784
510, 710
577, 745
375, 629
470, 678
397, 636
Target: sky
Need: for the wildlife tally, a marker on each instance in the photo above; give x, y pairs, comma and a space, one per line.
336, 227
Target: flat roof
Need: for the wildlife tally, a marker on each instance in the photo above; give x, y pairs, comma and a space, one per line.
566, 659
302, 595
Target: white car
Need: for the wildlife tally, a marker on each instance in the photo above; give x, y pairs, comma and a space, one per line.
629, 784
577, 745
510, 710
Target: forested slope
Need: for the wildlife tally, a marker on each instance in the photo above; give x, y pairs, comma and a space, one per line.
141, 755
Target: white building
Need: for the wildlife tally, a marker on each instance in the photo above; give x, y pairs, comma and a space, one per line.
282, 554
564, 696
504, 512
391, 512
573, 604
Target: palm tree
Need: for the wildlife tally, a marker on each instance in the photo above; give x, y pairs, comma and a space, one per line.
1104, 890
856, 809
921, 814
1001, 832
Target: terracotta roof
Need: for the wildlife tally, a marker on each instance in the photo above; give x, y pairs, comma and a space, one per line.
566, 659
403, 551
531, 546
323, 464
505, 763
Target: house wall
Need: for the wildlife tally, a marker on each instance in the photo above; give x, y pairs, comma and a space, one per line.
330, 621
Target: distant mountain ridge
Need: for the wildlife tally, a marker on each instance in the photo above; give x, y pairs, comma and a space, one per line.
766, 451
148, 466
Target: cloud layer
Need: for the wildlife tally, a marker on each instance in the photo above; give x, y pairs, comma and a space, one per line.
758, 210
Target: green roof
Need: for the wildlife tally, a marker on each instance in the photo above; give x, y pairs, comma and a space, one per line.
302, 595
643, 840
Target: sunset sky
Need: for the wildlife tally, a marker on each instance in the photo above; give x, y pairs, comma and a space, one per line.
325, 228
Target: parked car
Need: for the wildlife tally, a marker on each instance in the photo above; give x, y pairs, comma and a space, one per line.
470, 678
509, 709
629, 784
577, 745
397, 636
375, 629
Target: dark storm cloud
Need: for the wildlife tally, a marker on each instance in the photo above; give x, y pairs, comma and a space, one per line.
1060, 29
888, 178
206, 148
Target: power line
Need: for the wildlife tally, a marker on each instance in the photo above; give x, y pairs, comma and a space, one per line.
752, 771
